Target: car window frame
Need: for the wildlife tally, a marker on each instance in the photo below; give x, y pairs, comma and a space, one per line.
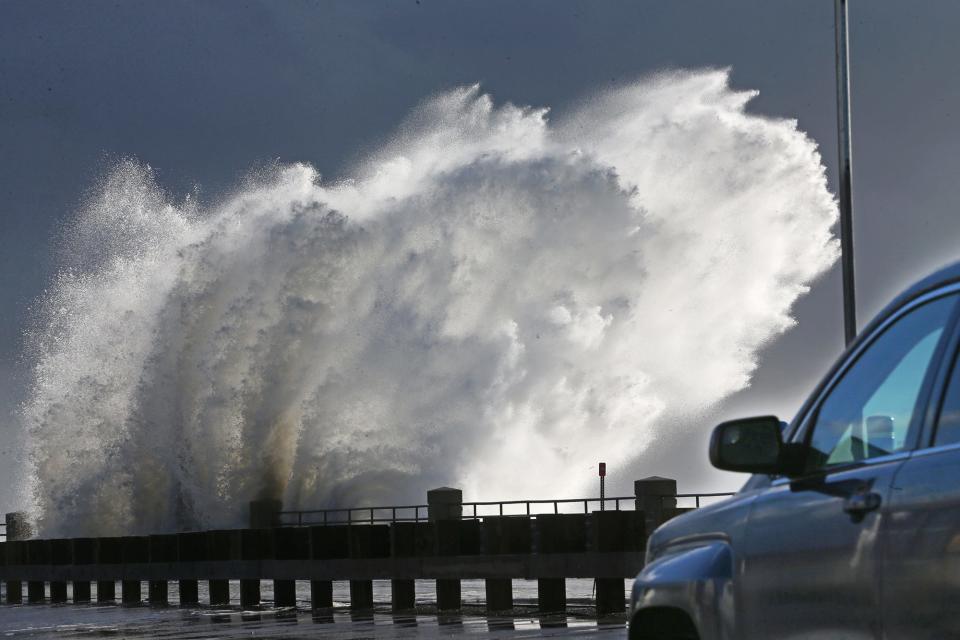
932, 383
950, 362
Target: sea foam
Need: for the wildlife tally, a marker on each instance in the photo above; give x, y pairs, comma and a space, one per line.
495, 298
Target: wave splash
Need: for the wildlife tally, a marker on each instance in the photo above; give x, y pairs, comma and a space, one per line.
495, 301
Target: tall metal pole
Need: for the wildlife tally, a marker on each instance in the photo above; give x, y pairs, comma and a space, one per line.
845, 157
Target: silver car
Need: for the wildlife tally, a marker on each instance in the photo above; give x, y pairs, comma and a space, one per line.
850, 525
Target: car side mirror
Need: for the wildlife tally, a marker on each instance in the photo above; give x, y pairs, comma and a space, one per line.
753, 445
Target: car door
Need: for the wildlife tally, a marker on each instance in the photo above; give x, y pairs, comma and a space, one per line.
921, 551
809, 566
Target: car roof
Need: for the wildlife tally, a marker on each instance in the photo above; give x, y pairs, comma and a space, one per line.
935, 280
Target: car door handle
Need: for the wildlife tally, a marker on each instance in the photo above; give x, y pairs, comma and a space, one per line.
859, 504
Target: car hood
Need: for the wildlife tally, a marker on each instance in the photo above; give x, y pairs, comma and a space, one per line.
725, 520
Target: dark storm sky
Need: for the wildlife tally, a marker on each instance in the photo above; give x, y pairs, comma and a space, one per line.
203, 91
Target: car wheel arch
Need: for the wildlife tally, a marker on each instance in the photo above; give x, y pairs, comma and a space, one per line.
662, 623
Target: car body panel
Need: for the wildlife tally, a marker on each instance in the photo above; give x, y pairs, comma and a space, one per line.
817, 574
690, 566
922, 548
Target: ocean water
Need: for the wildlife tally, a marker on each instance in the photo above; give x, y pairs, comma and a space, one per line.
121, 621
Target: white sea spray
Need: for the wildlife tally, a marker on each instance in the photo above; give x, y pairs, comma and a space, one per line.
494, 295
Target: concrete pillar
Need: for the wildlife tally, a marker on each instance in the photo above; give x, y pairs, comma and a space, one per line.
18, 526
265, 514
130, 591
448, 595
14, 592
106, 591
321, 594
158, 590
611, 596
249, 593
58, 591
219, 592
361, 594
189, 592
404, 594
285, 593
499, 594
653, 498
81, 591
444, 503
552, 595
35, 591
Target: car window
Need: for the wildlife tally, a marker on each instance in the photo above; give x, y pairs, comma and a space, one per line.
948, 423
871, 410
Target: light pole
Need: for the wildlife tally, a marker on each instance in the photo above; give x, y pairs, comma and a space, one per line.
845, 186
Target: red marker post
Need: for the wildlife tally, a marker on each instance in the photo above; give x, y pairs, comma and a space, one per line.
603, 474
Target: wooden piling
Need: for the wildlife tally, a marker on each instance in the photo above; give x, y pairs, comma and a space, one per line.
35, 592
157, 592
219, 591
448, 595
106, 591
321, 594
551, 595
403, 594
81, 591
250, 593
130, 592
189, 592
284, 593
14, 592
499, 594
361, 595
58, 591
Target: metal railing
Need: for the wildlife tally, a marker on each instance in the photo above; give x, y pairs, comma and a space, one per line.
3, 530
476, 510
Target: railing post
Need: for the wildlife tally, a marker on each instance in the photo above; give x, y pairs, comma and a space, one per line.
444, 503
18, 526
653, 498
